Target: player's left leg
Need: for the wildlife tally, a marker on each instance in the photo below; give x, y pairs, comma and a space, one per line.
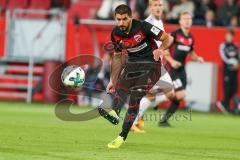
111, 113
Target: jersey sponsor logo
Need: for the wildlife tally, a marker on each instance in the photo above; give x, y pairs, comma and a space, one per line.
183, 40
138, 37
183, 48
138, 48
126, 44
155, 30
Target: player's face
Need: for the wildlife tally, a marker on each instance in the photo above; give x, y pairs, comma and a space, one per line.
123, 21
229, 37
156, 8
185, 21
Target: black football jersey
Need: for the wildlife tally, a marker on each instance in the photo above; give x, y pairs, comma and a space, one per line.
139, 42
182, 46
229, 51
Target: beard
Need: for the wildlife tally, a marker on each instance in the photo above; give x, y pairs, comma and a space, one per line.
123, 28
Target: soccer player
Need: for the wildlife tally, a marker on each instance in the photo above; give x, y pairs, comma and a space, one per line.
154, 97
229, 53
183, 46
141, 71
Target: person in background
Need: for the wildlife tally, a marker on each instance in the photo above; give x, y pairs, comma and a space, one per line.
183, 46
229, 54
210, 19
202, 6
138, 7
227, 11
107, 7
234, 22
165, 12
183, 6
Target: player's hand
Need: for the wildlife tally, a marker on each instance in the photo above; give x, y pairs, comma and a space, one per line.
157, 54
235, 67
176, 64
200, 60
110, 87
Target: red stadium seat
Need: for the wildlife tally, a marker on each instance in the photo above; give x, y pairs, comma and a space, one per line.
219, 3
12, 4
3, 6
83, 8
3, 3
81, 11
40, 4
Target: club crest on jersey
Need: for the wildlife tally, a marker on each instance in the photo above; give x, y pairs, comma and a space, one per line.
190, 40
155, 30
181, 39
138, 38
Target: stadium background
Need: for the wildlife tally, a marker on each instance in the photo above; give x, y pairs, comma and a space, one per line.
88, 37
32, 131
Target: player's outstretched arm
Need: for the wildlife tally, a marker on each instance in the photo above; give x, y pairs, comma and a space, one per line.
195, 57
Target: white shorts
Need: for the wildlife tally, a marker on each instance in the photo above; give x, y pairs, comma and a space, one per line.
164, 84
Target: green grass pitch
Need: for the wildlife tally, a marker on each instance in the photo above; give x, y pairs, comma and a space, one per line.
33, 132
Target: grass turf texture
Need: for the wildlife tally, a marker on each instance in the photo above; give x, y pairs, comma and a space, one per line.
34, 132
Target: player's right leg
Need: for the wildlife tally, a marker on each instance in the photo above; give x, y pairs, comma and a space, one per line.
179, 84
111, 113
138, 83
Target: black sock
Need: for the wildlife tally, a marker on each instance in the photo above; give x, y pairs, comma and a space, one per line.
127, 124
170, 111
131, 113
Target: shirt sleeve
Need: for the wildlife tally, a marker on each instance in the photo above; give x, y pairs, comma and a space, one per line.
151, 30
117, 47
222, 54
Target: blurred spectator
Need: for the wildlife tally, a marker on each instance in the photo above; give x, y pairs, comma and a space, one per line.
107, 8
227, 11
166, 9
138, 7
210, 19
201, 7
183, 6
229, 53
234, 22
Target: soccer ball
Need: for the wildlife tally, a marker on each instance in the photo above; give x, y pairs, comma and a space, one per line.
73, 76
